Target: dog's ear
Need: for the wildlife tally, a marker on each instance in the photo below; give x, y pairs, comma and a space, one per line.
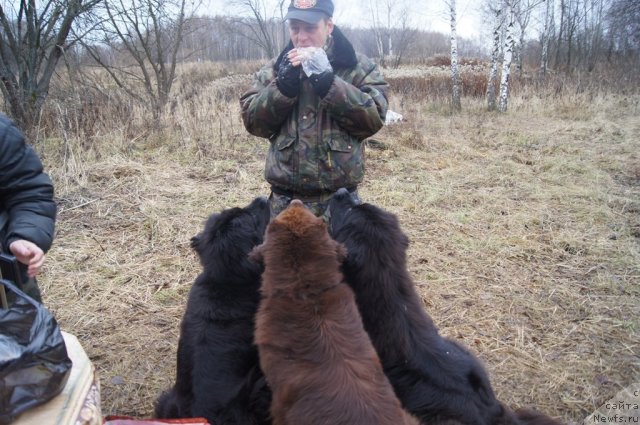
256, 255
341, 251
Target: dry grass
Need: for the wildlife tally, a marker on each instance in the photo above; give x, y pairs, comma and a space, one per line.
524, 228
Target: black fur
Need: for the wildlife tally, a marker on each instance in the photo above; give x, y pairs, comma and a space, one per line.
218, 375
435, 378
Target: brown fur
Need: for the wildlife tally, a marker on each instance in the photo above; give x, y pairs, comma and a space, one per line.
314, 351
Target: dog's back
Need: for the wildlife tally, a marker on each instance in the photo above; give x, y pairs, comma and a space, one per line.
316, 356
436, 378
218, 375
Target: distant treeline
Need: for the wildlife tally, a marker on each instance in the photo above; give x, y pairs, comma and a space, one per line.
226, 39
570, 45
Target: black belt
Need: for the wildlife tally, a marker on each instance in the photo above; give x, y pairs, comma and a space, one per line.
294, 195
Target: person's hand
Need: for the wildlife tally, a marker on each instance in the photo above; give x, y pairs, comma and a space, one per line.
28, 254
294, 57
321, 83
316, 65
288, 78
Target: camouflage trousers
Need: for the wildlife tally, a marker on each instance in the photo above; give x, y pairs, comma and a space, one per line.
319, 204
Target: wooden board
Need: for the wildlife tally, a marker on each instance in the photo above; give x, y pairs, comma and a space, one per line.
79, 401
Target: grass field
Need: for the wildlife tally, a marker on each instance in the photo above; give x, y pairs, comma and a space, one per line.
524, 229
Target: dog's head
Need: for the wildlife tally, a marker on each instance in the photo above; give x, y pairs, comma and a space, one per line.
340, 206
366, 229
364, 222
295, 237
227, 239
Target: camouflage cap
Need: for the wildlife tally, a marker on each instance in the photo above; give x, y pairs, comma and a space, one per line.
310, 11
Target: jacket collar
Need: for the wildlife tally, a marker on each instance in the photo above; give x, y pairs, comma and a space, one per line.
341, 53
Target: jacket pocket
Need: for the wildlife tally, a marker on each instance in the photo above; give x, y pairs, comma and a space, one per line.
280, 161
344, 163
284, 142
282, 149
338, 144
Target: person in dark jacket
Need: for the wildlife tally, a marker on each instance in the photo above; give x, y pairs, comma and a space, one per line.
27, 208
315, 123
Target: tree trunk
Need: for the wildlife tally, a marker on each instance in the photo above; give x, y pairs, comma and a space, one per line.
380, 46
152, 44
455, 72
520, 50
546, 36
506, 61
559, 40
31, 45
389, 31
495, 53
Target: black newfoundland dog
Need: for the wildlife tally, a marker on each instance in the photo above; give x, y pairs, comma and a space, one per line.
218, 375
435, 378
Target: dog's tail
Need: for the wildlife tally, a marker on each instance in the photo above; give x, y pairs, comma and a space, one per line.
532, 417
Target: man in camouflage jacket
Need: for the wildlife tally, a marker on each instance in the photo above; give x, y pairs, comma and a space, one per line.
315, 125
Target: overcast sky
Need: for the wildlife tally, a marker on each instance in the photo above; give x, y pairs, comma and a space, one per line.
428, 15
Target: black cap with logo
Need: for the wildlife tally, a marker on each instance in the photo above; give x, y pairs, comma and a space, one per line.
310, 11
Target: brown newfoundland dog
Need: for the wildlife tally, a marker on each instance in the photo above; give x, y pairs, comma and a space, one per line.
314, 351
435, 378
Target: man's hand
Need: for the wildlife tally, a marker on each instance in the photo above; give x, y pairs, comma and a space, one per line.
294, 57
321, 83
316, 65
288, 79
28, 254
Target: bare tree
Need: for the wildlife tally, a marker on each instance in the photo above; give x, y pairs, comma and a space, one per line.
522, 10
546, 36
571, 17
405, 38
32, 40
572, 22
144, 37
623, 18
496, 10
593, 34
380, 25
390, 24
261, 21
509, 45
455, 72
560, 32
217, 38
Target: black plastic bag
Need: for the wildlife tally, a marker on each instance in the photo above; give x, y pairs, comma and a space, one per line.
34, 365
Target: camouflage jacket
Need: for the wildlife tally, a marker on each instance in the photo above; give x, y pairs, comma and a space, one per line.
316, 144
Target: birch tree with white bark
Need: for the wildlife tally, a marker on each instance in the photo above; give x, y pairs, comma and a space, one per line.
391, 24
507, 58
382, 15
456, 88
546, 36
522, 11
496, 11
